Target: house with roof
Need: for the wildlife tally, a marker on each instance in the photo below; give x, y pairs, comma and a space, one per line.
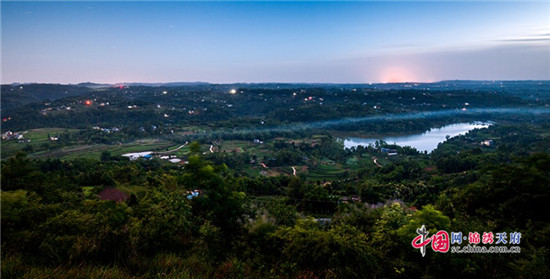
113, 194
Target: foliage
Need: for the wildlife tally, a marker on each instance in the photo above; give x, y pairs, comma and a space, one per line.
340, 216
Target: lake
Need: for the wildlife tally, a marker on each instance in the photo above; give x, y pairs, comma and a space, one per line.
426, 141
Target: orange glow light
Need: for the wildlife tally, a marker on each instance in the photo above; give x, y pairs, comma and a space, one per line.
88, 102
397, 74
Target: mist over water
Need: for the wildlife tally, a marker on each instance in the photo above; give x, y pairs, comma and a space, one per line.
381, 118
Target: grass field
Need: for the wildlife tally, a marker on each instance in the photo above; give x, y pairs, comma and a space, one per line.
239, 146
10, 148
131, 189
326, 172
357, 163
37, 137
42, 134
323, 169
94, 151
252, 171
318, 169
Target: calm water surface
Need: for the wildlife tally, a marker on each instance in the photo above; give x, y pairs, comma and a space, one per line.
426, 141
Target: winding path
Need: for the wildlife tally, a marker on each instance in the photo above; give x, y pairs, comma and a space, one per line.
375, 160
294, 171
175, 149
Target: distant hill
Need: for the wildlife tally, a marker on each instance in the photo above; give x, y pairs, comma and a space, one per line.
167, 84
14, 96
17, 95
94, 85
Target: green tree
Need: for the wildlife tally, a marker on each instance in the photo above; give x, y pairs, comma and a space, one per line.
434, 220
106, 156
342, 251
15, 172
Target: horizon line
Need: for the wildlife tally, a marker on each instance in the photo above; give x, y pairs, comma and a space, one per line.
279, 82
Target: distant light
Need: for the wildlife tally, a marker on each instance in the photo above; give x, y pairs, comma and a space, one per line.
164, 92
88, 102
233, 91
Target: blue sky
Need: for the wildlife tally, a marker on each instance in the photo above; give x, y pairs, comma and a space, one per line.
357, 42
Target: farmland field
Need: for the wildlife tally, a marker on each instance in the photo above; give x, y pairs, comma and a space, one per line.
36, 137
94, 151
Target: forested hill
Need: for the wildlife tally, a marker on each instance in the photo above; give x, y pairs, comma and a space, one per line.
14, 96
38, 106
254, 181
60, 220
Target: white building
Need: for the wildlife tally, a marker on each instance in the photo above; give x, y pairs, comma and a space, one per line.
137, 155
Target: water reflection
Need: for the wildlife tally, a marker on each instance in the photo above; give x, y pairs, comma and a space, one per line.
426, 141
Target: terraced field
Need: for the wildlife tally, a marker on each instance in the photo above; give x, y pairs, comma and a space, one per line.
326, 172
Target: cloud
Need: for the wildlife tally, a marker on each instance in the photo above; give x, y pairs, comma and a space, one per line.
528, 38
525, 40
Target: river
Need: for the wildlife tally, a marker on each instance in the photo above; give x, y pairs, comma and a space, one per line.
426, 141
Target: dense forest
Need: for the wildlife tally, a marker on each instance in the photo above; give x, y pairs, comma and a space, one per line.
229, 107
251, 201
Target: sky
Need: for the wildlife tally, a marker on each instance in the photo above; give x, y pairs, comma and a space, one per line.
257, 41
